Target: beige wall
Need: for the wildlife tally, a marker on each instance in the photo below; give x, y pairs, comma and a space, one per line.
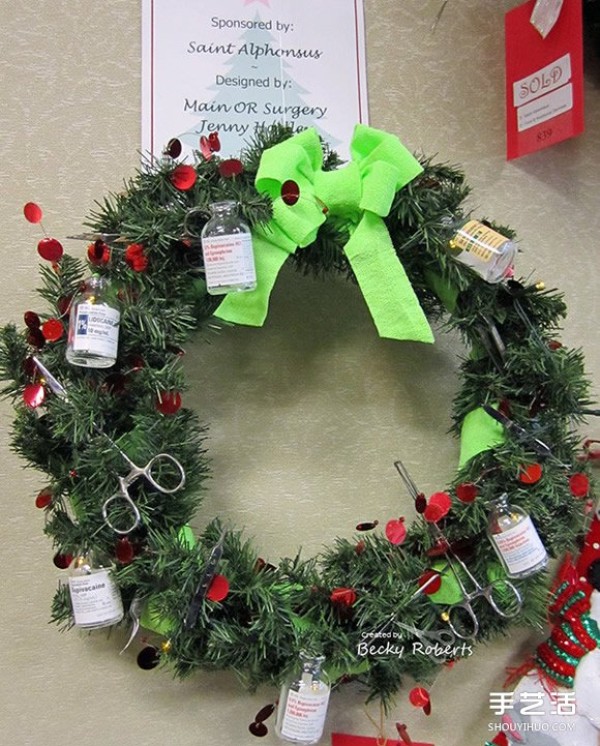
307, 415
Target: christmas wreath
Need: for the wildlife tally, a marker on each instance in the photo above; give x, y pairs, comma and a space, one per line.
385, 221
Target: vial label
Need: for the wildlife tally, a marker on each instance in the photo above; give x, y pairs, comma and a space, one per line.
96, 329
95, 599
520, 547
304, 716
228, 261
477, 239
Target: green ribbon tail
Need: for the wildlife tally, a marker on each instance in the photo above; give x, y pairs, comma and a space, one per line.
251, 308
385, 286
479, 433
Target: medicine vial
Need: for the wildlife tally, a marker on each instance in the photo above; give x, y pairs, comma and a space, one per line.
515, 539
95, 597
94, 326
481, 248
303, 703
227, 251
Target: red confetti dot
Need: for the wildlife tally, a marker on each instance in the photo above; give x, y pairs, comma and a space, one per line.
395, 530
530, 473
32, 320
124, 551
52, 330
62, 561
430, 581
554, 345
438, 506
34, 395
43, 499
50, 249
467, 492
32, 212
343, 596
218, 589
579, 484
419, 697
230, 168
168, 402
290, 192
184, 177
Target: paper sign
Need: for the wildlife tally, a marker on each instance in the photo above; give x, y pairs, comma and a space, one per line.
228, 66
544, 80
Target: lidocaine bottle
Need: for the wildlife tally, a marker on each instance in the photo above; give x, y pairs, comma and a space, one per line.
515, 539
303, 703
94, 326
227, 251
481, 248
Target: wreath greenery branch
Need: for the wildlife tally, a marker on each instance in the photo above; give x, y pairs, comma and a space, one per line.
272, 612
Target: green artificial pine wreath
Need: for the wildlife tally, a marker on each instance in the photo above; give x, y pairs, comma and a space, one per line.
145, 245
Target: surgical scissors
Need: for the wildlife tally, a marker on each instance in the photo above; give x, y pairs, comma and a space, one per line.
135, 471
502, 595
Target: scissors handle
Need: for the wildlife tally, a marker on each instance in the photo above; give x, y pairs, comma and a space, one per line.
463, 621
504, 597
112, 501
164, 458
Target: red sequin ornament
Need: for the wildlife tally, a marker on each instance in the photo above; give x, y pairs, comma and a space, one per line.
343, 596
35, 338
63, 304
136, 258
467, 492
579, 484
34, 395
230, 168
32, 212
98, 253
209, 145
395, 530
52, 330
62, 561
168, 402
290, 192
367, 525
183, 177
360, 547
218, 589
438, 506
530, 473
173, 148
420, 503
50, 249
43, 499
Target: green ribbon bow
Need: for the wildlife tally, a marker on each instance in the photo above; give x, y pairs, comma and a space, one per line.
360, 194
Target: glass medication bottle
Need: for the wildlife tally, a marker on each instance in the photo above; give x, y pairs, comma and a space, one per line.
227, 251
95, 597
515, 539
483, 249
93, 326
303, 702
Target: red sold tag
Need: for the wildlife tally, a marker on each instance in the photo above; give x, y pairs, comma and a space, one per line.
544, 80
